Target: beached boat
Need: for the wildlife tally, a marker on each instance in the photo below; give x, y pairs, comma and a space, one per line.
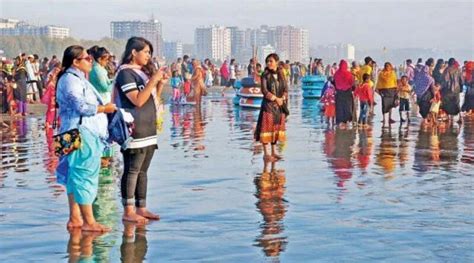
312, 86
250, 94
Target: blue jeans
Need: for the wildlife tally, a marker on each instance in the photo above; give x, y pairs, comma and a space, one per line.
364, 108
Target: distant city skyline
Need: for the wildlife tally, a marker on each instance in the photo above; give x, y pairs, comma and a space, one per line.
366, 24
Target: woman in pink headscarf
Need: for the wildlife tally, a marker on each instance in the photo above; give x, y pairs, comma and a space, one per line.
344, 81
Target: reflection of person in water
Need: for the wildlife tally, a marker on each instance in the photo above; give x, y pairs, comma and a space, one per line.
198, 130
81, 245
449, 150
468, 135
365, 148
386, 157
271, 204
422, 155
134, 243
338, 147
403, 146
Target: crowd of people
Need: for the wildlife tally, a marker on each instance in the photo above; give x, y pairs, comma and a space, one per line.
349, 95
93, 97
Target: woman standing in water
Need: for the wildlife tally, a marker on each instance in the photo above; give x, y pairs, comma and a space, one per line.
344, 81
80, 106
197, 82
387, 87
271, 120
423, 87
137, 93
99, 75
451, 89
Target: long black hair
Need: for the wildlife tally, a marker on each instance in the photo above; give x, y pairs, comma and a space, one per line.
137, 44
70, 53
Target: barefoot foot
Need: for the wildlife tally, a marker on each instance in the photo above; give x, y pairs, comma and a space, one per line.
96, 227
134, 218
147, 214
74, 223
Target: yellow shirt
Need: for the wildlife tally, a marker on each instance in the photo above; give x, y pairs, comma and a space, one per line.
387, 80
365, 69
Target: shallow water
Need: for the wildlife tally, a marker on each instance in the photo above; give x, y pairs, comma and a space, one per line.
397, 195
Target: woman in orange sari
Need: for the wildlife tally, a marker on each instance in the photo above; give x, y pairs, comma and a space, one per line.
197, 82
271, 120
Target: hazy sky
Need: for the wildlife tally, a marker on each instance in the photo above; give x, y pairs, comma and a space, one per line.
441, 24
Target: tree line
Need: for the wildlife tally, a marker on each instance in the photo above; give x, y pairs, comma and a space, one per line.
46, 47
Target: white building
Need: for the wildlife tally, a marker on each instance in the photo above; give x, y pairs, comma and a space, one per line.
13, 27
8, 23
150, 30
213, 42
292, 43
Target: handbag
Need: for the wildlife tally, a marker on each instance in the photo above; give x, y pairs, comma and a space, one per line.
68, 141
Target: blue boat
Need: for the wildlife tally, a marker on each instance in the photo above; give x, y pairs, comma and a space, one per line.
250, 97
312, 86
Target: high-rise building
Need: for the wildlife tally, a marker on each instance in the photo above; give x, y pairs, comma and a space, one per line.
172, 50
150, 30
292, 43
213, 42
238, 43
13, 27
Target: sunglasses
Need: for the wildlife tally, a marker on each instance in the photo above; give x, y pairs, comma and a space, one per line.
88, 58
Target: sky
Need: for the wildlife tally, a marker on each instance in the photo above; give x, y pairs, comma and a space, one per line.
442, 24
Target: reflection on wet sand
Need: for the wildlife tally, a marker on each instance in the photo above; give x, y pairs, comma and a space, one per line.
134, 243
387, 152
339, 149
188, 129
81, 245
270, 187
437, 147
51, 162
14, 150
468, 136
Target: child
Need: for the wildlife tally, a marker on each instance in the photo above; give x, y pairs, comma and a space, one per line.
176, 85
329, 102
364, 93
404, 93
435, 104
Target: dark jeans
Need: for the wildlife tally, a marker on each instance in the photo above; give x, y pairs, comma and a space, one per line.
404, 105
134, 178
364, 109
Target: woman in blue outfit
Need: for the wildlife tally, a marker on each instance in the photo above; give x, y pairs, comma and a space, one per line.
80, 106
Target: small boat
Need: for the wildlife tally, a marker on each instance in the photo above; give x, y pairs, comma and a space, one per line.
312, 86
250, 94
250, 102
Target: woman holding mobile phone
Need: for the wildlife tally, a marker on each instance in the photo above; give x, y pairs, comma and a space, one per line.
138, 86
